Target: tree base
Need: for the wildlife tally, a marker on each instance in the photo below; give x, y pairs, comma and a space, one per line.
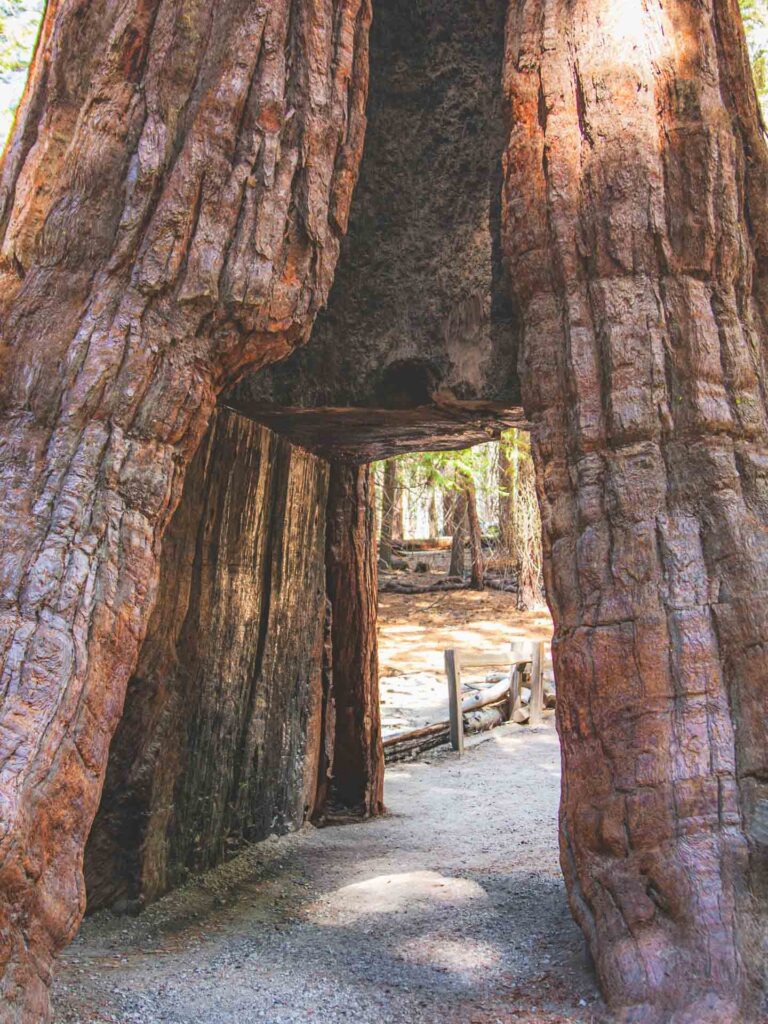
709, 1009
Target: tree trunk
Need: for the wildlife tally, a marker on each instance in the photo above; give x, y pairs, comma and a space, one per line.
475, 536
171, 205
449, 512
526, 535
403, 514
387, 511
434, 521
357, 786
459, 540
636, 234
506, 497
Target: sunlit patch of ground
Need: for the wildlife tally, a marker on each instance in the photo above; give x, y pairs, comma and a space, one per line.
451, 909
415, 630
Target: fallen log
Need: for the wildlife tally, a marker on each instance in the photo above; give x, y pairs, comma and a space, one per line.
486, 718
405, 746
422, 544
394, 586
414, 734
482, 698
507, 586
425, 737
410, 749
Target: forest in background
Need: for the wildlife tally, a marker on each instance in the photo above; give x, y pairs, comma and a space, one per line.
482, 500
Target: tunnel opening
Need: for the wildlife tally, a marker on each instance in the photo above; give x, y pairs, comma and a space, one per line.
140, 278
230, 716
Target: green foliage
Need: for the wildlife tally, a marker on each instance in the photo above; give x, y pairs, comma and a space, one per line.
443, 469
19, 24
754, 13
420, 474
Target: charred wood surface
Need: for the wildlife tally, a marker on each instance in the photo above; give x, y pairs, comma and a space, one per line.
219, 740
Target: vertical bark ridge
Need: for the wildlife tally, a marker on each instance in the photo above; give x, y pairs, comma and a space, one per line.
633, 167
357, 784
173, 212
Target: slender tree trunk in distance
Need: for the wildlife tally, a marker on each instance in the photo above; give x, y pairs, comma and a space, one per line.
449, 512
357, 786
171, 206
635, 217
526, 534
506, 496
458, 543
398, 518
387, 511
434, 520
475, 535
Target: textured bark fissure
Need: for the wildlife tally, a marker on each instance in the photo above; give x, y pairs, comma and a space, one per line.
327, 720
639, 280
357, 781
132, 291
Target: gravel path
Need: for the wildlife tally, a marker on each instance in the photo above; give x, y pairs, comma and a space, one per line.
450, 910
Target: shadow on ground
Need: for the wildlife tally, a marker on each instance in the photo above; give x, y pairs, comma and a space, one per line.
450, 909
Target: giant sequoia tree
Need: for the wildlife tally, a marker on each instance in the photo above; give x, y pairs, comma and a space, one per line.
171, 204
172, 200
636, 223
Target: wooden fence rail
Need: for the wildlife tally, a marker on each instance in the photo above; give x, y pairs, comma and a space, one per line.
522, 653
484, 708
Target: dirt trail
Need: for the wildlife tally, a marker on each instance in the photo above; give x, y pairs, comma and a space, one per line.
414, 630
450, 910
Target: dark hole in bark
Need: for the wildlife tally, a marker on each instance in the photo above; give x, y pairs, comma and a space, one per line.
407, 384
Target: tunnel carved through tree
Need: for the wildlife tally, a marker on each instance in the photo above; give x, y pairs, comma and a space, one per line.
172, 204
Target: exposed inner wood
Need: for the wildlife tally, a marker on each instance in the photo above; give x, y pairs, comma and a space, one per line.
220, 738
359, 435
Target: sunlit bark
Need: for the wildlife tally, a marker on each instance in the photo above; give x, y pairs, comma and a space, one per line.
171, 205
636, 227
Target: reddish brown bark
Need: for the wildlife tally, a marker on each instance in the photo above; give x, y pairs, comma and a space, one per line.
171, 204
636, 229
357, 785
